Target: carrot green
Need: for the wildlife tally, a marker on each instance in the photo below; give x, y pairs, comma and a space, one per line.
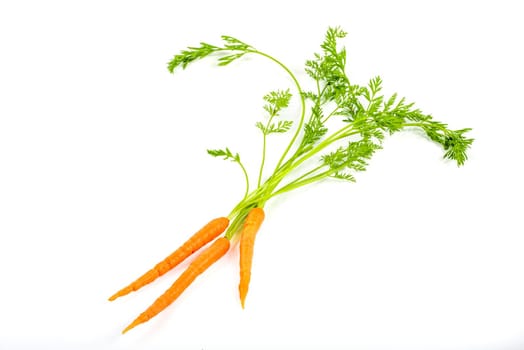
340, 125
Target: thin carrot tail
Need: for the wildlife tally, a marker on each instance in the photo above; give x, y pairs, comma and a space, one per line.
243, 289
251, 226
121, 292
145, 279
208, 257
132, 325
245, 278
205, 235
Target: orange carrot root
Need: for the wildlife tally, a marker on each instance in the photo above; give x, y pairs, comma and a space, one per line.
247, 242
202, 262
205, 235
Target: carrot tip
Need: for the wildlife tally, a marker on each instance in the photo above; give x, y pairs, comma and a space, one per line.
131, 326
121, 293
117, 295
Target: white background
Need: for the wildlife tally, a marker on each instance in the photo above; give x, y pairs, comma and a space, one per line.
104, 171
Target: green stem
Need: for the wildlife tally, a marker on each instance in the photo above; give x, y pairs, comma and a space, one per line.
422, 124
294, 185
273, 182
298, 179
251, 200
263, 161
246, 177
306, 180
302, 102
340, 134
236, 224
331, 114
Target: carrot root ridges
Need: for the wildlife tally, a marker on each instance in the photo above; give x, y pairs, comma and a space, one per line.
205, 235
247, 242
209, 256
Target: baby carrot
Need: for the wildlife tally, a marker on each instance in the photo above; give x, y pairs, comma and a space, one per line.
247, 241
209, 256
205, 235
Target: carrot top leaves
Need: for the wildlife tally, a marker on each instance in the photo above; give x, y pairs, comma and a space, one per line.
233, 49
276, 101
341, 124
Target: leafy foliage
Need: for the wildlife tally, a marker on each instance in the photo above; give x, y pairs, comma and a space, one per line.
190, 55
366, 115
280, 127
276, 102
225, 153
232, 46
329, 67
353, 157
314, 130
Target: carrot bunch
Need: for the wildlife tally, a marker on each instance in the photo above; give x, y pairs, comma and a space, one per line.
217, 249
362, 117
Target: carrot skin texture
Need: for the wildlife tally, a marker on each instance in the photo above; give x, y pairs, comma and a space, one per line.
205, 235
208, 257
251, 226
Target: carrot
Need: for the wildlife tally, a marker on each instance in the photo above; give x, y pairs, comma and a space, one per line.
209, 256
205, 235
306, 159
247, 242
